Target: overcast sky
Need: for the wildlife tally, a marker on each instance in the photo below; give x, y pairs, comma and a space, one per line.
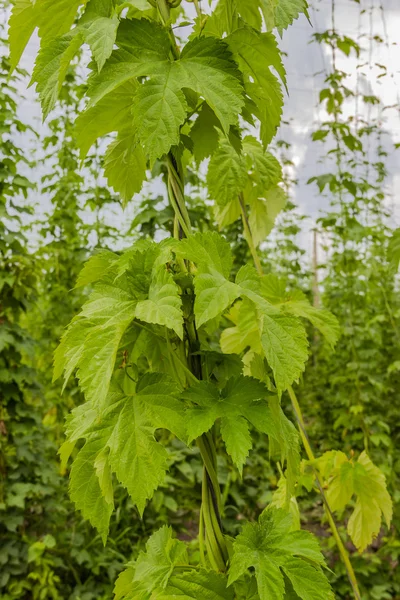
307, 64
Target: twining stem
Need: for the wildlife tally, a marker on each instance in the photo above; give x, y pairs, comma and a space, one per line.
211, 538
303, 433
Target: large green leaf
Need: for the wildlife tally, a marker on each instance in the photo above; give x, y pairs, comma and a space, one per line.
270, 547
56, 16
135, 281
205, 66
86, 491
125, 165
227, 174
214, 294
162, 572
51, 67
112, 113
283, 340
22, 24
143, 49
159, 110
124, 434
243, 401
296, 303
209, 251
163, 305
101, 34
252, 49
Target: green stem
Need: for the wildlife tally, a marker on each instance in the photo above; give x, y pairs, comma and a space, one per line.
328, 511
249, 235
303, 433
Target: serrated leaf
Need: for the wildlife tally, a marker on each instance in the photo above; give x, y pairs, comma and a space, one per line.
159, 110
95, 268
100, 35
367, 482
209, 251
51, 67
127, 429
207, 67
307, 582
125, 165
296, 303
282, 13
214, 294
264, 211
283, 340
204, 133
22, 24
269, 547
155, 566
111, 113
57, 16
196, 584
97, 360
227, 174
143, 49
163, 306
250, 49
85, 489
242, 401
245, 333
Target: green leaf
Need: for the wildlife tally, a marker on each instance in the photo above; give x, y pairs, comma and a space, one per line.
127, 429
283, 340
22, 24
91, 342
242, 401
155, 566
163, 306
227, 174
143, 49
56, 16
250, 49
367, 482
204, 133
269, 547
111, 113
95, 268
264, 211
196, 584
51, 67
85, 488
100, 35
159, 110
125, 165
209, 251
214, 294
308, 583
264, 167
286, 12
296, 303
207, 67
